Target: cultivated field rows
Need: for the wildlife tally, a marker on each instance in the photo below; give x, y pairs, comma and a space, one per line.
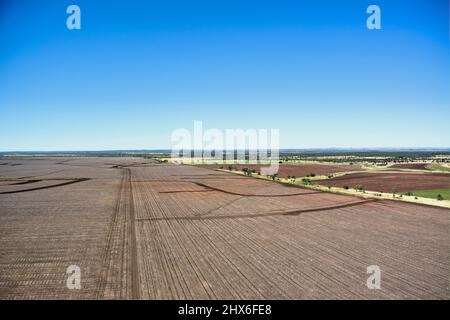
390, 181
309, 255
296, 170
143, 230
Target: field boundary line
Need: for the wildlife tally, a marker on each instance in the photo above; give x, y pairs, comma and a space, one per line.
294, 212
47, 187
135, 291
252, 195
109, 245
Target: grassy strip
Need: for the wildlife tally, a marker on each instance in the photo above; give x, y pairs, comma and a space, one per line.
438, 167
432, 193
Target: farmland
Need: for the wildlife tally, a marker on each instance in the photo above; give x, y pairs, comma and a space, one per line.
416, 166
288, 170
391, 181
140, 229
433, 193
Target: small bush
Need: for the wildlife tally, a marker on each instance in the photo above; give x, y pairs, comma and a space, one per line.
440, 197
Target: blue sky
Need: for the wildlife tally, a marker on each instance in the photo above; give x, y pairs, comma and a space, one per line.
137, 70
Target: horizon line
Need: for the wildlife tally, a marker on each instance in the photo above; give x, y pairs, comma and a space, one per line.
227, 150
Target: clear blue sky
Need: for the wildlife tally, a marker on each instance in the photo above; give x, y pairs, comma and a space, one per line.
137, 70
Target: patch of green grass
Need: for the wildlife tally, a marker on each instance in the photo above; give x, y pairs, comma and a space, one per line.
432, 193
438, 167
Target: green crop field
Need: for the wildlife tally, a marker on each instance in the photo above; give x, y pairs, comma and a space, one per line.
438, 167
433, 193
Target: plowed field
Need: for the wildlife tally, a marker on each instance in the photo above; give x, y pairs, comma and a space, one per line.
390, 182
416, 166
142, 230
297, 170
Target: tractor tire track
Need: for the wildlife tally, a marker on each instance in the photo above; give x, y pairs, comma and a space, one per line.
46, 187
295, 212
120, 274
134, 255
253, 195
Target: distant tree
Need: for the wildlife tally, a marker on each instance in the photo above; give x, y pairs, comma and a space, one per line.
440, 197
394, 191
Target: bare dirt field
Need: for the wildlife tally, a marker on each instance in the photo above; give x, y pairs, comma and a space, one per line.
415, 166
296, 170
390, 182
142, 230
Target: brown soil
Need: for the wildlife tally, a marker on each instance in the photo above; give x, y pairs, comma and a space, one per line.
135, 239
301, 170
390, 182
416, 166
